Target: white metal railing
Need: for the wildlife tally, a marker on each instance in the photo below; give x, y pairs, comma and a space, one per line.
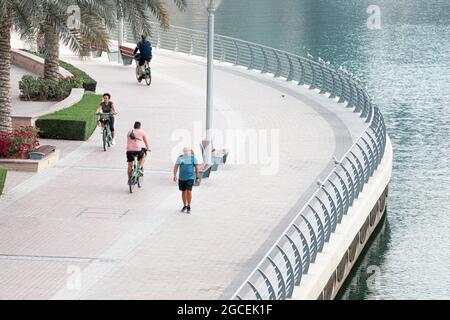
281, 269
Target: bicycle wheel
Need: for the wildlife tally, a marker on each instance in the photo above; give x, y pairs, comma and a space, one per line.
109, 135
148, 76
140, 181
131, 185
137, 71
105, 139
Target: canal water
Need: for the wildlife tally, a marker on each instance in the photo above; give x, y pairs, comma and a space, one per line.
406, 66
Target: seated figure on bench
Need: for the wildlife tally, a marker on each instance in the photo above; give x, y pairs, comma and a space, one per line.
219, 156
145, 49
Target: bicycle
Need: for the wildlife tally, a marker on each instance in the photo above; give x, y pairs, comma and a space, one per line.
146, 71
137, 178
104, 119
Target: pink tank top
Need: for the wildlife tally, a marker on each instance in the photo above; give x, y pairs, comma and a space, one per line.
138, 143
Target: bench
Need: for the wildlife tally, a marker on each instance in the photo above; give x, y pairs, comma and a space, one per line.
42, 152
204, 171
98, 51
127, 55
113, 56
219, 156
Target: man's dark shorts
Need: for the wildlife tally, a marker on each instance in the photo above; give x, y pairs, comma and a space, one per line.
143, 60
186, 185
133, 154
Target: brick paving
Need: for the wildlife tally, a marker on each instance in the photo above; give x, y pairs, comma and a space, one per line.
79, 215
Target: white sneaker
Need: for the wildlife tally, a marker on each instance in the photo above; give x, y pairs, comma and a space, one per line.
113, 142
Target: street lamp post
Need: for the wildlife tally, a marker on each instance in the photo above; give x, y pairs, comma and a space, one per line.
211, 6
120, 38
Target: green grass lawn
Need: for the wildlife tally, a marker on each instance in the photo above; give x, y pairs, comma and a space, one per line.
77, 122
2, 179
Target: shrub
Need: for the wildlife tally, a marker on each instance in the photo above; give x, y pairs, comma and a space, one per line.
35, 89
77, 122
2, 179
88, 83
18, 143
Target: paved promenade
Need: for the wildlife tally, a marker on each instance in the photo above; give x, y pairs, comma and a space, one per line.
74, 232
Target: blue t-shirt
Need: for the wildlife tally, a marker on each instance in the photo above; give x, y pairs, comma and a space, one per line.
145, 48
187, 169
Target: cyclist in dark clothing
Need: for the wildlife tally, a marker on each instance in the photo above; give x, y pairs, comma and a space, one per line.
145, 49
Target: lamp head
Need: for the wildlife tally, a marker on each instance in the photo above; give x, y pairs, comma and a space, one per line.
211, 5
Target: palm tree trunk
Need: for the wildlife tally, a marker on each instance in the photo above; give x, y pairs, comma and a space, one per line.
5, 74
51, 65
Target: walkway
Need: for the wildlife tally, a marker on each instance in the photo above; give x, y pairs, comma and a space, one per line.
76, 224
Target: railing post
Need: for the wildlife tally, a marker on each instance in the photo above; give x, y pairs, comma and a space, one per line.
257, 294
301, 80
278, 72
342, 93
291, 68
270, 288
327, 221
373, 156
282, 282
313, 235
158, 41
236, 63
333, 89
223, 54
350, 88
191, 50
298, 266
306, 251
361, 170
290, 272
352, 185
323, 81
367, 160
176, 41
252, 57
358, 179
313, 70
346, 193
264, 68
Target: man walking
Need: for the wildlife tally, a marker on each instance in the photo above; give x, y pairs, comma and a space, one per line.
189, 173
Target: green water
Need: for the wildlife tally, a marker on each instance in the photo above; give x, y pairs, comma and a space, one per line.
406, 66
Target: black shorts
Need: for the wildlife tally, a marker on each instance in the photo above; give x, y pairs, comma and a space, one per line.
143, 60
185, 185
133, 154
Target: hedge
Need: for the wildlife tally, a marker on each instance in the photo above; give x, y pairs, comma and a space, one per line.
40, 89
77, 122
89, 84
2, 179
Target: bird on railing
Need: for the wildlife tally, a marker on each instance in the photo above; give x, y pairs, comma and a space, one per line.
336, 161
319, 183
310, 56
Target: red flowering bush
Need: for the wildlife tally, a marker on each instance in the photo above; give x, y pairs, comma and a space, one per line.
18, 143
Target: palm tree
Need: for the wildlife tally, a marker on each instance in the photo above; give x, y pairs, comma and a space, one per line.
138, 13
91, 31
13, 14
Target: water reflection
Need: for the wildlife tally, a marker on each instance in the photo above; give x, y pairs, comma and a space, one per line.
406, 66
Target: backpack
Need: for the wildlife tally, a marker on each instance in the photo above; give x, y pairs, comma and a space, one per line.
132, 135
